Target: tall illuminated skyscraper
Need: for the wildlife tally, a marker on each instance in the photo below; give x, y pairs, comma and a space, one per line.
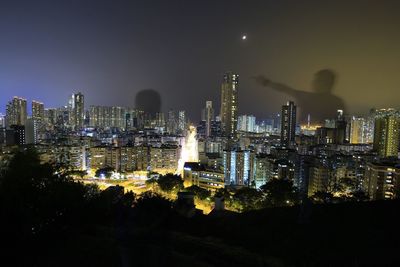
37, 110
356, 130
181, 121
386, 132
288, 124
172, 122
208, 116
229, 104
361, 130
77, 110
246, 123
16, 113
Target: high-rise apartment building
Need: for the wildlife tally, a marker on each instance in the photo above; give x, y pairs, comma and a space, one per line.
105, 117
208, 116
386, 132
76, 106
160, 120
32, 130
247, 123
181, 121
381, 181
37, 110
361, 130
229, 104
16, 113
172, 122
288, 124
238, 167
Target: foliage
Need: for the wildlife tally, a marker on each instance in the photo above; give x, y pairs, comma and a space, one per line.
223, 192
247, 198
320, 197
79, 173
151, 208
35, 198
151, 182
359, 196
280, 192
106, 171
201, 193
170, 182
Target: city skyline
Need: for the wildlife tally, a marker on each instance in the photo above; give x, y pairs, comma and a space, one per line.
199, 133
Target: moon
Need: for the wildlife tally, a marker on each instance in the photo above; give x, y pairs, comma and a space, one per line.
244, 37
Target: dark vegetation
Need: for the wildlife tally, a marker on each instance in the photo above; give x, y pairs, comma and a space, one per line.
47, 219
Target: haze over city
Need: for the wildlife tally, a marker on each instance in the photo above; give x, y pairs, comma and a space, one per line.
112, 50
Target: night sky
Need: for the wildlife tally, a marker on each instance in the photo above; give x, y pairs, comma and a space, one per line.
110, 50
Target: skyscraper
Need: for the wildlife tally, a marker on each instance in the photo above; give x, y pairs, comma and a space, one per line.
229, 104
16, 113
208, 116
181, 121
341, 126
238, 167
37, 110
50, 115
77, 110
246, 123
160, 120
361, 130
32, 130
288, 124
2, 121
356, 130
172, 122
386, 132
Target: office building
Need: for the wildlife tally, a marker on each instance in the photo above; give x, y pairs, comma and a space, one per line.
197, 174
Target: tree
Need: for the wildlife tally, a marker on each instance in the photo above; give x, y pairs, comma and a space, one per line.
223, 192
170, 182
247, 198
201, 193
359, 196
106, 171
36, 198
151, 209
322, 197
226, 194
78, 173
151, 183
280, 192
